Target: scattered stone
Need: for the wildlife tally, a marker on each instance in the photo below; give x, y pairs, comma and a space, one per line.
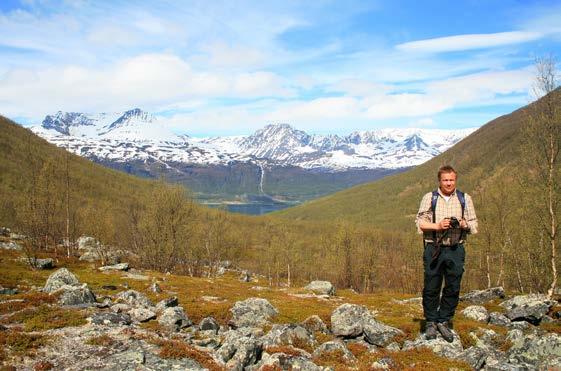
385, 363
482, 296
213, 299
476, 313
378, 333
121, 308
10, 246
60, 278
239, 349
174, 318
252, 312
516, 337
134, 298
393, 347
498, 319
6, 291
315, 324
136, 276
438, 345
3, 328
337, 348
47, 263
209, 324
167, 303
290, 334
418, 301
109, 318
474, 356
540, 351
321, 288
106, 303
5, 232
115, 267
155, 287
282, 361
347, 320
245, 276
530, 308
141, 314
85, 243
76, 295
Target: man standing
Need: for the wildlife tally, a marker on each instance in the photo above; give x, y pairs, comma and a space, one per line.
445, 217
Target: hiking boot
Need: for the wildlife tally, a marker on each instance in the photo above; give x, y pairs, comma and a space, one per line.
445, 331
430, 331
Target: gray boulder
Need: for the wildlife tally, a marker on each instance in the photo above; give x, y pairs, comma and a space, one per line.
530, 308
141, 314
60, 278
209, 324
115, 267
498, 319
174, 318
6, 291
252, 312
111, 319
482, 296
5, 232
290, 334
134, 299
321, 288
282, 361
155, 287
239, 349
476, 313
315, 324
474, 356
167, 303
351, 321
540, 351
10, 246
76, 295
438, 345
86, 243
36, 263
337, 348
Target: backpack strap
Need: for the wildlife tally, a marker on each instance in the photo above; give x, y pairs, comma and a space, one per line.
462, 199
433, 201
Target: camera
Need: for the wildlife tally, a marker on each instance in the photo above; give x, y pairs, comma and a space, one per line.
454, 222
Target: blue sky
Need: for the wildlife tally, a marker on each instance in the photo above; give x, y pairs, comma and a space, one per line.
231, 67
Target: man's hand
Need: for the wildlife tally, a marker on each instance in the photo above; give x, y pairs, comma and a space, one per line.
444, 224
464, 224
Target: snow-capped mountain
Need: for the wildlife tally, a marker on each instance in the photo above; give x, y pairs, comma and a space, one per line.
137, 135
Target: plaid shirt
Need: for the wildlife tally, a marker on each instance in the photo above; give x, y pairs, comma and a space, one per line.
446, 209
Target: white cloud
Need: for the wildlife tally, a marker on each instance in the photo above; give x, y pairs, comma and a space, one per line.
468, 42
360, 88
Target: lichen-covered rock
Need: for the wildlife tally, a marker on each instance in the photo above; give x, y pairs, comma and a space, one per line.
134, 299
482, 296
529, 308
174, 318
115, 267
109, 318
209, 324
476, 313
541, 351
321, 288
288, 335
167, 303
47, 263
498, 319
10, 246
252, 312
438, 345
155, 287
60, 278
141, 314
76, 295
282, 361
337, 349
315, 324
239, 349
347, 320
474, 356
378, 333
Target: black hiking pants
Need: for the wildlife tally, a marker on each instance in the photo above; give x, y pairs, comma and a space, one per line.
448, 266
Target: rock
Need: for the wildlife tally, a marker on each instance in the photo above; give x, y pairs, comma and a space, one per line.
141, 314
516, 337
482, 296
115, 267
347, 320
315, 324
539, 351
351, 321
137, 276
417, 301
336, 349
154, 287
290, 334
476, 313
245, 276
86, 243
174, 318
385, 363
60, 278
321, 288
5, 232
252, 312
282, 361
10, 246
75, 295
438, 345
239, 349
530, 308
209, 323
498, 319
3, 328
47, 263
108, 318
474, 356
393, 347
379, 334
134, 298
167, 303
6, 291
109, 287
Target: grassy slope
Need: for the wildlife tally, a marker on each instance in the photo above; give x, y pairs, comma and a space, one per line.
393, 201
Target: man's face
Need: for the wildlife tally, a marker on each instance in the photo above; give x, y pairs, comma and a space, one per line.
447, 183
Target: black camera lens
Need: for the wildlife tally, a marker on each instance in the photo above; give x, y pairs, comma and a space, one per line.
454, 222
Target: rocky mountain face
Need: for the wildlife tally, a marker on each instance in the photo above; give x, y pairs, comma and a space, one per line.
137, 142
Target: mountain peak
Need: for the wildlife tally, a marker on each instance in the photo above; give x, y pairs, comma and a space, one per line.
63, 121
135, 114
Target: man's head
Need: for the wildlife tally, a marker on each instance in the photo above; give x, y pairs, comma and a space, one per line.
447, 179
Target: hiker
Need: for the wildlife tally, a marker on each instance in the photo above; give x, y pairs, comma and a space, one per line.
445, 217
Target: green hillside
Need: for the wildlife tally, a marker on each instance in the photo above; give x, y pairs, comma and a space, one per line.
394, 200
